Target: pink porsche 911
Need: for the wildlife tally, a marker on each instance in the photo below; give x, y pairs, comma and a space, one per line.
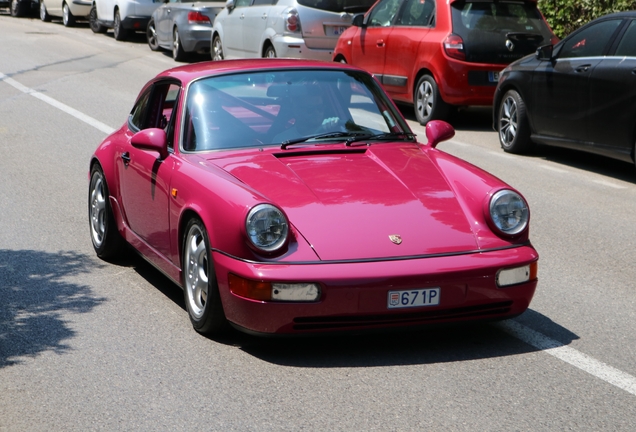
291, 197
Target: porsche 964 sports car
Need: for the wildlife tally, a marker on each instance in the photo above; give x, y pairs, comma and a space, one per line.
291, 197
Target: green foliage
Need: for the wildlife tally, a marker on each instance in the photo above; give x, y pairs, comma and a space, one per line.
565, 16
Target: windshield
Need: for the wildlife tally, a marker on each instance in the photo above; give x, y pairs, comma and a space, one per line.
273, 107
352, 6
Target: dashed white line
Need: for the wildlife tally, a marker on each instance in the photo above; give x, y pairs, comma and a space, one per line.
59, 105
571, 356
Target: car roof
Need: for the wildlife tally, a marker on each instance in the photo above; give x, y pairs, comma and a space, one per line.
194, 71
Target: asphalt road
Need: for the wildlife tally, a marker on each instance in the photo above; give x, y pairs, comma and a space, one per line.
88, 345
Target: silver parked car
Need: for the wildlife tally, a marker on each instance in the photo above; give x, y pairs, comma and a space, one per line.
306, 29
68, 10
182, 27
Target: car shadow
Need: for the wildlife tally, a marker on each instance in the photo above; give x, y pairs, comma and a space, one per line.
463, 118
435, 344
35, 299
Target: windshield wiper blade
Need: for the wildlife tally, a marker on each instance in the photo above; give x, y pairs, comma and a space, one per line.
351, 135
382, 137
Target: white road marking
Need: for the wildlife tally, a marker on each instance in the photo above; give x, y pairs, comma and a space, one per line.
571, 356
59, 105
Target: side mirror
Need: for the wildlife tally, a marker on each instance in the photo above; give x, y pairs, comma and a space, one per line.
358, 20
229, 4
544, 52
438, 131
152, 139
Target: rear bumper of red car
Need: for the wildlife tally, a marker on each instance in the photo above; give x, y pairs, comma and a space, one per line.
354, 295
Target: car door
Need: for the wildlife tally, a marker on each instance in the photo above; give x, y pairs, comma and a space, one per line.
369, 45
612, 114
163, 23
413, 23
144, 178
561, 87
233, 28
254, 26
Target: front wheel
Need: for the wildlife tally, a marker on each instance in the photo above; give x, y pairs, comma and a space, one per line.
427, 101
217, 49
270, 52
19, 8
119, 31
201, 292
178, 53
93, 21
68, 19
44, 15
107, 241
512, 124
151, 36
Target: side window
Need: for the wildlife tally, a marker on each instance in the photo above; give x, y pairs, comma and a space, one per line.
382, 15
138, 113
590, 42
242, 3
263, 2
416, 13
627, 46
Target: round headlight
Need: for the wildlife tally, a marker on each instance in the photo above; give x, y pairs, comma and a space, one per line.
266, 227
509, 212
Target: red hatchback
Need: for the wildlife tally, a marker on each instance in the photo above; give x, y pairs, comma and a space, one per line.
436, 54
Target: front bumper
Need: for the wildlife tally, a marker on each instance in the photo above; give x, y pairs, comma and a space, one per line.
354, 295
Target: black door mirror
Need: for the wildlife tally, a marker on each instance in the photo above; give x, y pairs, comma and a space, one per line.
358, 20
544, 52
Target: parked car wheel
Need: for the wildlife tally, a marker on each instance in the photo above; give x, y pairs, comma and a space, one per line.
119, 31
217, 49
44, 15
19, 8
201, 291
151, 36
512, 124
68, 19
428, 103
270, 52
178, 54
107, 241
95, 26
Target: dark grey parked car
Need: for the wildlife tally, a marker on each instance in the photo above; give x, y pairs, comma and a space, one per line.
183, 27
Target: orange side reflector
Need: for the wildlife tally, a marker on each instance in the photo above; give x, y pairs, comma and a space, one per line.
250, 289
534, 269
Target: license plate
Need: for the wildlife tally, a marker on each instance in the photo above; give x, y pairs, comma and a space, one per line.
413, 298
335, 30
493, 76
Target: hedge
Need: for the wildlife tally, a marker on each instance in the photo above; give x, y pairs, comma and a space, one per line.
565, 16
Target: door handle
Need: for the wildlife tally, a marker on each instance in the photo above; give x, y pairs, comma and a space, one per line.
264, 16
126, 158
583, 68
242, 16
634, 71
380, 43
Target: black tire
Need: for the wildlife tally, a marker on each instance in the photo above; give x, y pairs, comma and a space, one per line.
269, 52
93, 22
427, 102
216, 51
513, 127
19, 8
200, 289
151, 36
107, 241
68, 19
120, 33
178, 53
44, 15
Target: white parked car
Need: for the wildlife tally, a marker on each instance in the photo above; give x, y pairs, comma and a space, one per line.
68, 10
306, 29
123, 16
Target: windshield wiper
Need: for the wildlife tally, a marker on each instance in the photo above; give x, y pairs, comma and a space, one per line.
389, 136
351, 135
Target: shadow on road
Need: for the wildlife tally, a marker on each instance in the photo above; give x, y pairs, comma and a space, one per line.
35, 299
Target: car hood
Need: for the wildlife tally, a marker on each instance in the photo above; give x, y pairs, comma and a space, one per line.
381, 201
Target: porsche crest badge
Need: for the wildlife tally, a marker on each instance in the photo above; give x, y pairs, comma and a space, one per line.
395, 238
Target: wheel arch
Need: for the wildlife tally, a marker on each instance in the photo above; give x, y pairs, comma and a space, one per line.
266, 44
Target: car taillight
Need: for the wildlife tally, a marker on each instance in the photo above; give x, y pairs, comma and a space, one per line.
292, 21
454, 47
195, 17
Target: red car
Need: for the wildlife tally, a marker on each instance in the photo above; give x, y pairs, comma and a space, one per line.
438, 54
290, 196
